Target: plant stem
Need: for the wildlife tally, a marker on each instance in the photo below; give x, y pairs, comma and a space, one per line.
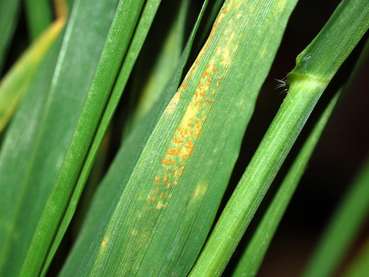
342, 229
257, 247
347, 219
359, 266
315, 67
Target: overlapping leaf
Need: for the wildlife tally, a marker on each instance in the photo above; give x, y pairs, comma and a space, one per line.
16, 81
174, 184
30, 190
315, 67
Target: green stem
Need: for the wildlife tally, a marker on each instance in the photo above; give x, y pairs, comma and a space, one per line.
315, 67
342, 229
347, 220
256, 249
359, 266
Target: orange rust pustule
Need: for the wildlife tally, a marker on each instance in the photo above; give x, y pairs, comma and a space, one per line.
188, 131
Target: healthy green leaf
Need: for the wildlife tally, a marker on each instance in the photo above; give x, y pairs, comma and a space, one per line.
40, 189
347, 219
39, 16
113, 51
149, 85
19, 142
255, 250
8, 22
315, 67
157, 202
16, 82
257, 247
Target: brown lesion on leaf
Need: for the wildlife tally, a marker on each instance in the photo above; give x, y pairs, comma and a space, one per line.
188, 131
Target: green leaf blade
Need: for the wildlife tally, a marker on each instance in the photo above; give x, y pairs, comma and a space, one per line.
71, 81
253, 256
39, 16
8, 17
162, 205
15, 83
305, 89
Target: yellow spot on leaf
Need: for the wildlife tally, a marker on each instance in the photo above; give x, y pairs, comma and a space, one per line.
200, 190
173, 104
203, 94
160, 205
104, 243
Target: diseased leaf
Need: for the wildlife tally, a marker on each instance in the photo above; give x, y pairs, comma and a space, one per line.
173, 186
126, 158
314, 69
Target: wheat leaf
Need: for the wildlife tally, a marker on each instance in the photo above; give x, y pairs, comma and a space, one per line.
314, 69
164, 199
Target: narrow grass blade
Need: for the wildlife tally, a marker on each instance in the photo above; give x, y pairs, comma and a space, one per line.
359, 267
315, 67
211, 15
20, 139
347, 219
15, 83
8, 22
165, 206
38, 192
342, 228
126, 158
149, 85
98, 98
255, 250
39, 16
257, 247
